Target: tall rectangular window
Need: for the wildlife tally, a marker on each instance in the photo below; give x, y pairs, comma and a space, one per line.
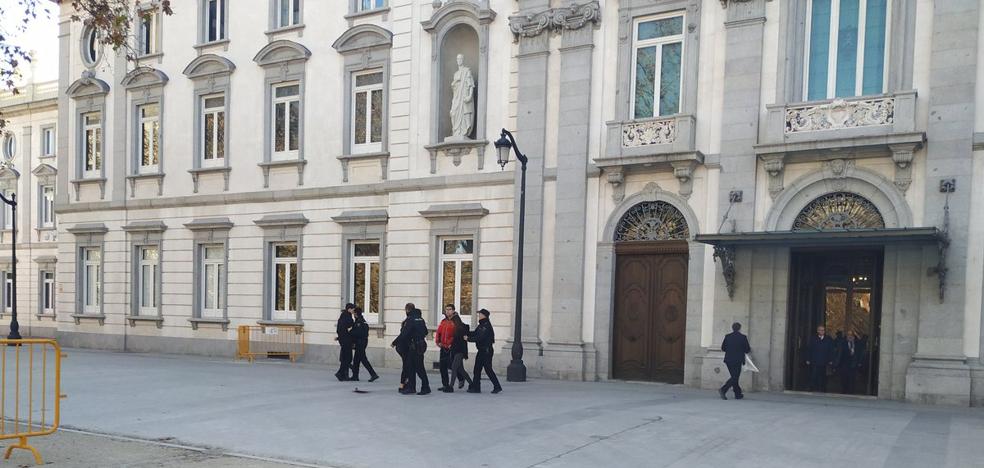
846, 48
456, 270
367, 112
365, 281
92, 144
286, 120
657, 74
8, 211
47, 142
212, 279
8, 291
213, 130
47, 208
150, 132
147, 41
91, 282
284, 279
148, 278
367, 5
215, 20
288, 13
47, 292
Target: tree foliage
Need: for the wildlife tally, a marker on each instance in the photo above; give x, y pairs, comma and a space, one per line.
113, 20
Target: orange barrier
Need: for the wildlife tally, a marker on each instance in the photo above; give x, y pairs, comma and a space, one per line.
266, 341
30, 391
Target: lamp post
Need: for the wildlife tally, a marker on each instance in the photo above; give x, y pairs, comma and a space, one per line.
14, 326
516, 372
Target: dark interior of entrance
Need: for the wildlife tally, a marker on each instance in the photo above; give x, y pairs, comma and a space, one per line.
840, 289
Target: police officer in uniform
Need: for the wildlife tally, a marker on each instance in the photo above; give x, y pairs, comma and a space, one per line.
415, 333
402, 346
484, 338
344, 338
360, 340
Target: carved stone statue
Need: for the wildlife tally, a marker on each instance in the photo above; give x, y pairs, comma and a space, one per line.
462, 102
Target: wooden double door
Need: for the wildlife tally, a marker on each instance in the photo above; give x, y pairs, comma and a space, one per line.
650, 319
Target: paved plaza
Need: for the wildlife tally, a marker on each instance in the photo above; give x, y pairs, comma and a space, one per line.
297, 412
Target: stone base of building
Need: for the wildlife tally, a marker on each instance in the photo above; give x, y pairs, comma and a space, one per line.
938, 381
977, 384
568, 361
714, 373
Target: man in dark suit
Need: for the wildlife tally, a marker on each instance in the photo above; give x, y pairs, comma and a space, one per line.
735, 346
819, 355
343, 334
851, 358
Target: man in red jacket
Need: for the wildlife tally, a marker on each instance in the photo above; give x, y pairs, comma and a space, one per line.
443, 338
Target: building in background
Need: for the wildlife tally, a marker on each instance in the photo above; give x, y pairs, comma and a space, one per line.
692, 163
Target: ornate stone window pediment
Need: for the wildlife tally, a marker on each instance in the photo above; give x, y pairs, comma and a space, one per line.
282, 51
141, 77
208, 65
45, 174
87, 86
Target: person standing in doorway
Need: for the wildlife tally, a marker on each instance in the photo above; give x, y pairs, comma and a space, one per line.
484, 338
344, 338
851, 358
735, 347
459, 352
443, 338
360, 341
819, 356
415, 333
402, 347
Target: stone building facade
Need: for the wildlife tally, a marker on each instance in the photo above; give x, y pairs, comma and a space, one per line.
691, 163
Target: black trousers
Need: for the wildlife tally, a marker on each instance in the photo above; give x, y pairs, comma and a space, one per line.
344, 359
818, 377
483, 361
406, 370
445, 365
417, 370
734, 368
458, 370
847, 374
360, 358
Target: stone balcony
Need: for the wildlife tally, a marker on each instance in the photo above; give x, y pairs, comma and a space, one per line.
852, 128
651, 144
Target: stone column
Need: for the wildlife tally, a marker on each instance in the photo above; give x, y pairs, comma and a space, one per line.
63, 132
24, 191
531, 134
118, 129
939, 372
564, 353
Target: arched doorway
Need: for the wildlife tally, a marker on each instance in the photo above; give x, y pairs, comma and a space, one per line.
650, 293
840, 289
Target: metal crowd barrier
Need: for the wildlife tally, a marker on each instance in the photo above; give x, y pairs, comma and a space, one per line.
270, 341
30, 391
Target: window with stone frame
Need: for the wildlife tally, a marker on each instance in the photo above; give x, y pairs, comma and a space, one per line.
367, 111
284, 277
46, 214
212, 270
369, 5
657, 65
288, 13
47, 292
213, 130
90, 46
846, 48
365, 281
148, 280
456, 273
148, 32
149, 128
214, 20
48, 142
9, 146
90, 279
92, 145
286, 108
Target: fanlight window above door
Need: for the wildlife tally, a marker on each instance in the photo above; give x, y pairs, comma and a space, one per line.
652, 221
840, 210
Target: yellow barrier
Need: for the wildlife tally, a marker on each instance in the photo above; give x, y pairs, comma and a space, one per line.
266, 341
36, 409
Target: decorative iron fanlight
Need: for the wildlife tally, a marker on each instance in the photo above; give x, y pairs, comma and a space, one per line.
839, 210
652, 221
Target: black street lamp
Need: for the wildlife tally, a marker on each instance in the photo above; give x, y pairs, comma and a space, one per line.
14, 326
516, 372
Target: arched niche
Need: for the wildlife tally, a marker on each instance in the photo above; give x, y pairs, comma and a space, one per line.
458, 27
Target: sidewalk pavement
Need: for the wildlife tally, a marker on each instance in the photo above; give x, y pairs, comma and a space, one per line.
300, 412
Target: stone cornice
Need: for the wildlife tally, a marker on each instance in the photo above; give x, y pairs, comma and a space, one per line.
572, 17
724, 3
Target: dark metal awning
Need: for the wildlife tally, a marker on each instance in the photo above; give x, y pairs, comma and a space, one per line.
859, 237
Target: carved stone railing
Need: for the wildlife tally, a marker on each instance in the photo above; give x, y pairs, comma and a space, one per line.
840, 114
652, 132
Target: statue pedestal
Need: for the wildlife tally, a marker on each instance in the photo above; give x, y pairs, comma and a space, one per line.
457, 139
457, 147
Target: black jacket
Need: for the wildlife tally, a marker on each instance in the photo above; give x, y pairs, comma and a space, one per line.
460, 343
414, 333
820, 352
400, 342
483, 336
342, 328
735, 346
360, 333
846, 359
